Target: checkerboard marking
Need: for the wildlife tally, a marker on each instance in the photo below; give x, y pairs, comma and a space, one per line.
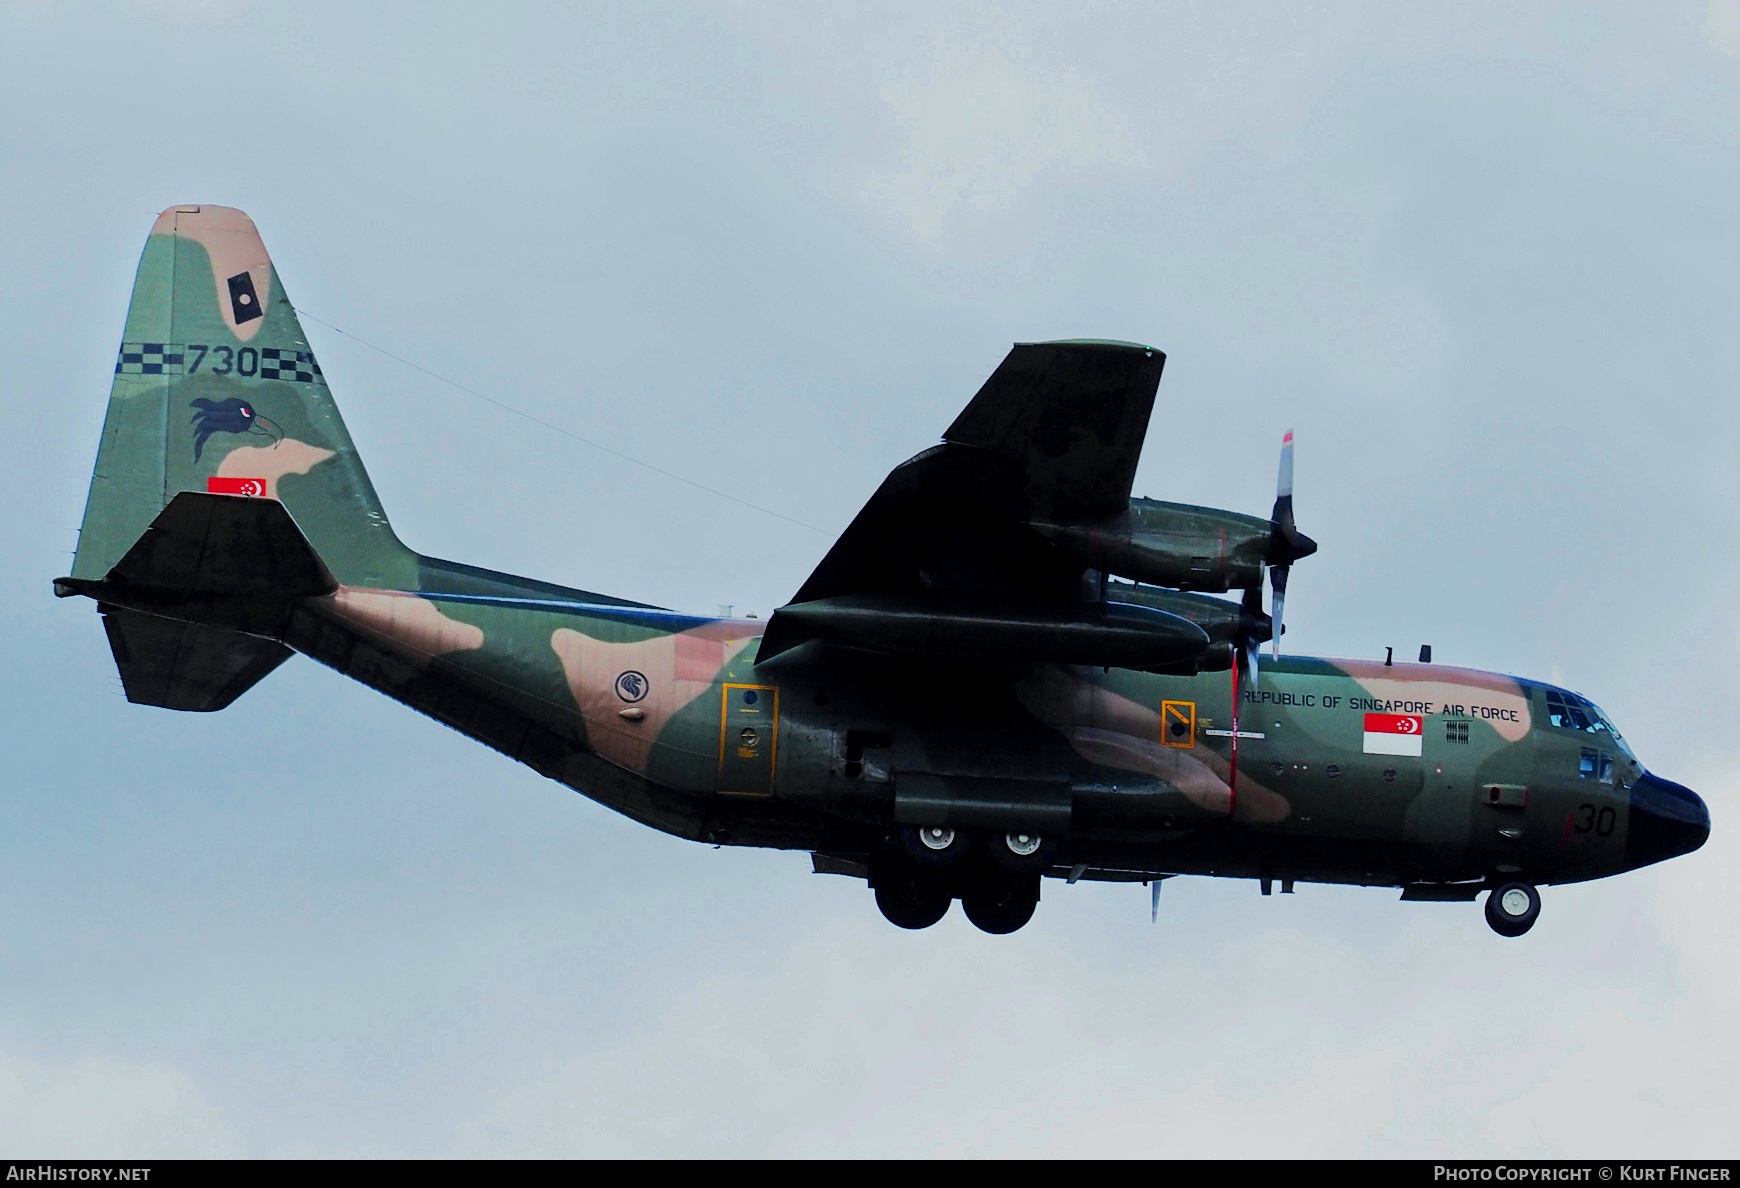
174, 358
290, 365
150, 358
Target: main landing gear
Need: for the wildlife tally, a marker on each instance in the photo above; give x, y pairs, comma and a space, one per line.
911, 903
995, 876
1512, 908
1003, 909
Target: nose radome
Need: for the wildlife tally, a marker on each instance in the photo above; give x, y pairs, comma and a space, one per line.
1667, 819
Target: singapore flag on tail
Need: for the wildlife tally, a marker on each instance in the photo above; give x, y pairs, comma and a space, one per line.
1393, 734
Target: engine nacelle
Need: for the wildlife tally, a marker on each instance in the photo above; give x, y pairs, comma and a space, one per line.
1225, 623
1171, 544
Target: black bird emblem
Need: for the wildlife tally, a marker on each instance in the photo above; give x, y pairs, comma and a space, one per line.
234, 415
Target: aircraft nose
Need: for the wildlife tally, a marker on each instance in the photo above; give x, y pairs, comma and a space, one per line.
1667, 819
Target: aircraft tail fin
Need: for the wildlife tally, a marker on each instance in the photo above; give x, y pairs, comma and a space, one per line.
216, 390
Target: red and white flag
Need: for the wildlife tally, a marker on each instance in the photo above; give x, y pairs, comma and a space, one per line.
235, 486
1393, 734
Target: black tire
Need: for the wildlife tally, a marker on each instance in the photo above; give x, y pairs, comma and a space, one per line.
910, 904
1003, 850
1004, 909
1512, 908
918, 843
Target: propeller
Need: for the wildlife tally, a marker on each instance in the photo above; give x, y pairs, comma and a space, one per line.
1286, 543
1254, 628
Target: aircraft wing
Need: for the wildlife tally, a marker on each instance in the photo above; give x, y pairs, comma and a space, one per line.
1071, 417
1055, 433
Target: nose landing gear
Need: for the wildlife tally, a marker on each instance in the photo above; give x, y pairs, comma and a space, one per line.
1512, 908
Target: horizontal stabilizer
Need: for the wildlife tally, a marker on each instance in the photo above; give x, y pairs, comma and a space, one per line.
184, 666
223, 546
192, 609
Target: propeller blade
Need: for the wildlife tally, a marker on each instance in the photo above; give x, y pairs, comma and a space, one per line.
1278, 579
1253, 629
1282, 516
1287, 543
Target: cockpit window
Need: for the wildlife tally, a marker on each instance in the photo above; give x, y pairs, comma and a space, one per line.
1595, 765
1571, 712
1565, 712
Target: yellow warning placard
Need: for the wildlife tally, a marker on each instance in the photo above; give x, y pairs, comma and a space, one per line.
1178, 723
748, 739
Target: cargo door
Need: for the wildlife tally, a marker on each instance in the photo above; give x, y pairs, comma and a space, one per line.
748, 739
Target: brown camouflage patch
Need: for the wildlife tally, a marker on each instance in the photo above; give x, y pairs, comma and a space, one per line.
1501, 698
234, 246
410, 622
676, 670
1113, 731
271, 463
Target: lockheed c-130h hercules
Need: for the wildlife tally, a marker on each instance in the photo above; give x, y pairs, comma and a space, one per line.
1005, 669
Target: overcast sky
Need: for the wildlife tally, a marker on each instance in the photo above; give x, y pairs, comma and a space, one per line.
1482, 256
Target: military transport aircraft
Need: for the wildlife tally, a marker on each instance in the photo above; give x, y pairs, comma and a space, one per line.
960, 700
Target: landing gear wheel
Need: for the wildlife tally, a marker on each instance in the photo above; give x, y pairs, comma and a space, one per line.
1003, 909
911, 904
1020, 852
934, 847
1512, 908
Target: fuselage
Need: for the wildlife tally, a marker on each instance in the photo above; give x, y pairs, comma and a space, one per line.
1345, 770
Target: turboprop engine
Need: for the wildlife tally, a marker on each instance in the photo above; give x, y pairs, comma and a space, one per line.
1198, 548
1171, 544
1231, 627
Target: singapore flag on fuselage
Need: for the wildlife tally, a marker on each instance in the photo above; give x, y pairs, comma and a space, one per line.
1393, 734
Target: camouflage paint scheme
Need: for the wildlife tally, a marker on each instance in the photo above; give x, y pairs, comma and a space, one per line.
821, 746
